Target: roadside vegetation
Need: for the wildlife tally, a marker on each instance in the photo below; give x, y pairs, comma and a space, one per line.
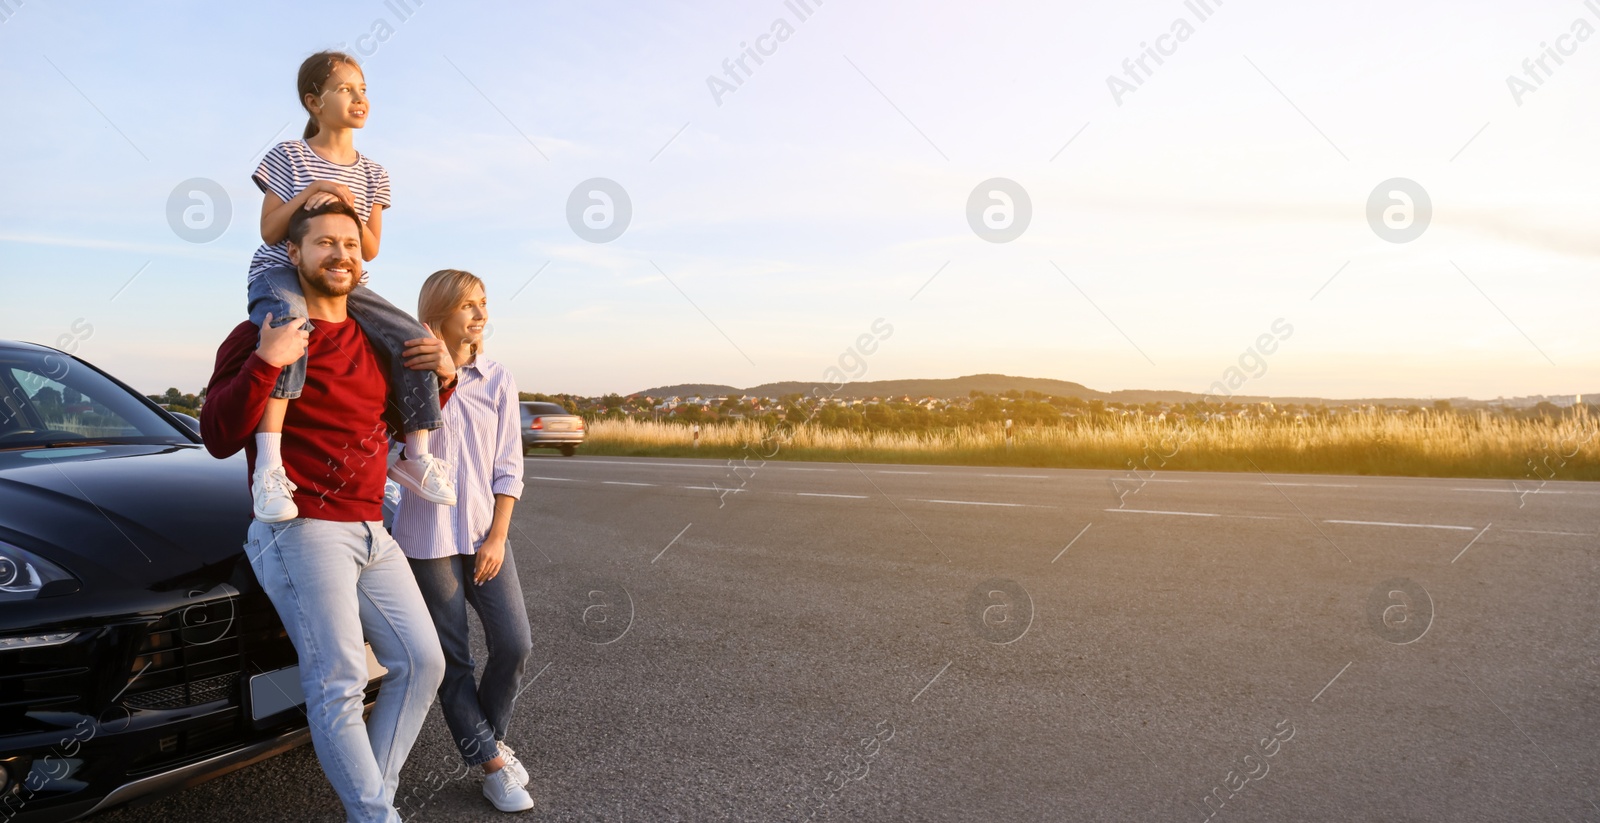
1530, 445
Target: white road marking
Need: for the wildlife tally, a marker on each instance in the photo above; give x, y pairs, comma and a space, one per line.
1319, 485
1534, 531
1403, 525
1198, 514
623, 483
1153, 511
974, 503
1026, 476
709, 488
821, 494
1520, 491
884, 471
562, 479
565, 462
798, 469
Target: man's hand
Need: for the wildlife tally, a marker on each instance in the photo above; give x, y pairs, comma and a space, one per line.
429, 353
284, 344
491, 555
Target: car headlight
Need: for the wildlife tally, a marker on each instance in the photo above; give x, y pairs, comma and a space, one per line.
23, 574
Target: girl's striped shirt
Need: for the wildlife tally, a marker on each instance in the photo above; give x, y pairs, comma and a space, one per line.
291, 166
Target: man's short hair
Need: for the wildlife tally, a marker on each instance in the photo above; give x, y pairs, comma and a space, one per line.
301, 217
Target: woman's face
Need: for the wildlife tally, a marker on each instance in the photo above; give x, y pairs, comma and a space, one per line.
464, 324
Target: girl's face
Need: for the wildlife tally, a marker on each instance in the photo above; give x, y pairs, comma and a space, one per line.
464, 324
343, 103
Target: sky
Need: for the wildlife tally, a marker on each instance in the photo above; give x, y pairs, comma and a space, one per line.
1175, 215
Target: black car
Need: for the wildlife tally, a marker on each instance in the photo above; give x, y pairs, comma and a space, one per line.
138, 654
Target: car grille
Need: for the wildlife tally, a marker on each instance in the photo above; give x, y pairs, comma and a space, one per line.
50, 679
187, 658
221, 687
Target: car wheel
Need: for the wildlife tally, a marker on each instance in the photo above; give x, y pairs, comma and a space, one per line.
569, 451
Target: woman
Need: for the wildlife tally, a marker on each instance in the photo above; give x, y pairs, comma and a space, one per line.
459, 555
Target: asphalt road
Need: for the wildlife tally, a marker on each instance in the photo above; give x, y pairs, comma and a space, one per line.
896, 643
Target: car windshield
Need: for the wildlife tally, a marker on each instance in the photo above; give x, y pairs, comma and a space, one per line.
544, 408
49, 399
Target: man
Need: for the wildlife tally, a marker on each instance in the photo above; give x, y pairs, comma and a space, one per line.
333, 573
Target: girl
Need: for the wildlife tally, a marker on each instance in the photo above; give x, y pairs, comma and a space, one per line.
460, 558
322, 167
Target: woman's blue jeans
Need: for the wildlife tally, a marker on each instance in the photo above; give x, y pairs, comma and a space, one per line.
477, 714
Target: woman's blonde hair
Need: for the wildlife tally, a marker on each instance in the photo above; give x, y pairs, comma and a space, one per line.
442, 292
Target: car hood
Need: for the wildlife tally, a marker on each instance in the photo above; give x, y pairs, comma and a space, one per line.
139, 514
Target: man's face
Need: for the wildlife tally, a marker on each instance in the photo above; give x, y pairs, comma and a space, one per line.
329, 257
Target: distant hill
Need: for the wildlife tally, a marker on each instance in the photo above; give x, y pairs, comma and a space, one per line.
948, 387
1000, 383
690, 390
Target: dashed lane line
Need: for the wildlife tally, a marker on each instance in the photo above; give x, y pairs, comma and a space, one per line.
1403, 525
1196, 514
1156, 511
980, 503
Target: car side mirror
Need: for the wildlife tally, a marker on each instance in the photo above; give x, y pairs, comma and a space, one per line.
193, 424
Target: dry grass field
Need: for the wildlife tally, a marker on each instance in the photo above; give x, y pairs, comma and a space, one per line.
1426, 445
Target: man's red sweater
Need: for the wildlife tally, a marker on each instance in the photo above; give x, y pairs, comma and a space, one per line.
335, 435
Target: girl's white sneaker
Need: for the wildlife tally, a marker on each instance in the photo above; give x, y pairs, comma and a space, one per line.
272, 497
502, 790
426, 475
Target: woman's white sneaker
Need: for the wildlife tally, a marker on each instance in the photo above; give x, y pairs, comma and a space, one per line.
502, 790
426, 475
272, 495
509, 757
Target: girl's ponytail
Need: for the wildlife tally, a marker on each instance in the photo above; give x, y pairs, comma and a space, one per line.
314, 73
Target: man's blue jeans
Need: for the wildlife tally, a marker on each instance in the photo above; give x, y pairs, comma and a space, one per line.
333, 584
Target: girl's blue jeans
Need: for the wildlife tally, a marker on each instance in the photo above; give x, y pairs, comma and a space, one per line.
413, 393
